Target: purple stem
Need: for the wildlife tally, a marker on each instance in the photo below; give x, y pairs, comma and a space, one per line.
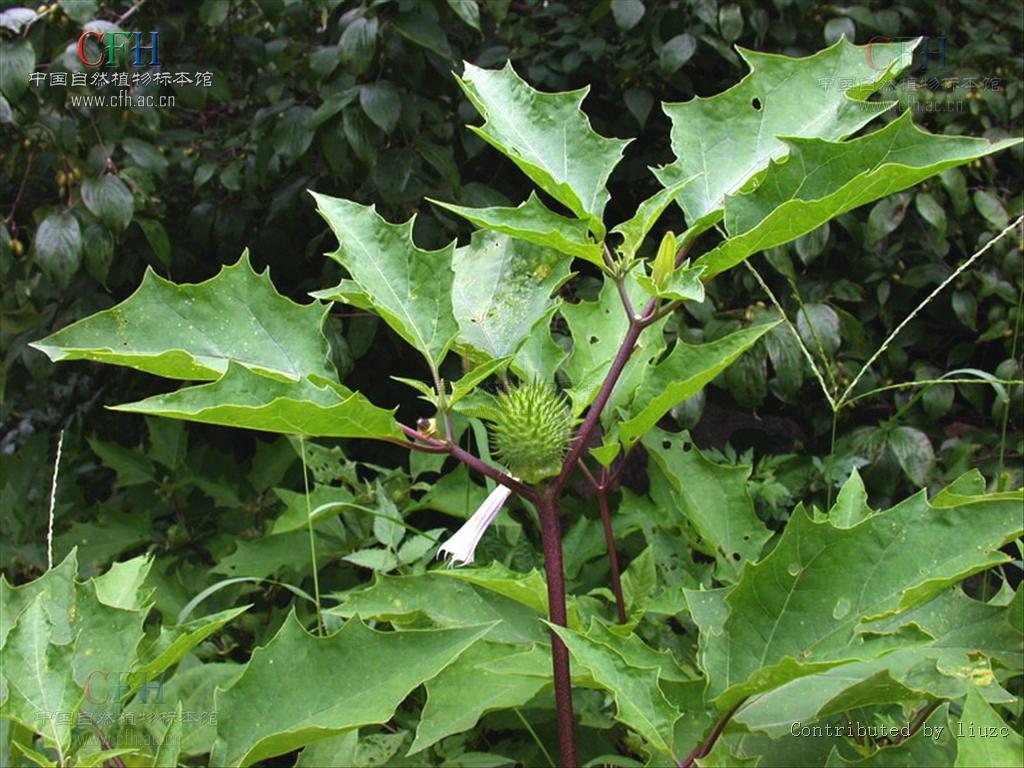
433, 445
701, 750
551, 538
609, 538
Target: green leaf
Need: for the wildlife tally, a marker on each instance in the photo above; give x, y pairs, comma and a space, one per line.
58, 584
730, 138
358, 44
194, 330
818, 326
639, 701
535, 222
98, 247
450, 710
627, 13
174, 642
194, 689
36, 670
682, 284
145, 155
730, 22
170, 742
945, 667
381, 669
681, 375
58, 247
635, 229
823, 179
983, 738
529, 589
314, 406
109, 200
502, 290
713, 498
913, 451
790, 617
931, 212
17, 60
547, 136
407, 286
387, 523
991, 208
851, 505
131, 466
468, 11
598, 328
121, 586
445, 603
373, 559
676, 52
382, 104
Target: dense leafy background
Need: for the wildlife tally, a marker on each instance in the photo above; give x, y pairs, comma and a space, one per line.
357, 101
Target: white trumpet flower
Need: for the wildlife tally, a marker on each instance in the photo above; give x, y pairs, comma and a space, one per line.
461, 547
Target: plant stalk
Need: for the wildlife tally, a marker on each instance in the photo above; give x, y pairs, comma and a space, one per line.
594, 414
609, 538
551, 538
702, 749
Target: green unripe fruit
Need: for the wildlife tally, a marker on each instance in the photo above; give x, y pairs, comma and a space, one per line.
532, 430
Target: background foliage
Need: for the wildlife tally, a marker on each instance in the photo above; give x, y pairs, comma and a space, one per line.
356, 100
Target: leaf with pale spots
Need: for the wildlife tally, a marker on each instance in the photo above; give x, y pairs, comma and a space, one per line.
502, 290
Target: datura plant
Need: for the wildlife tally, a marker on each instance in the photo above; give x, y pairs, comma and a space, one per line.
849, 616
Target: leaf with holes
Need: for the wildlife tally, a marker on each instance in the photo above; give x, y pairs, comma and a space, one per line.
730, 138
548, 136
713, 499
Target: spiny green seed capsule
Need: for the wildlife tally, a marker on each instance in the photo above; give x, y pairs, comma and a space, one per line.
531, 431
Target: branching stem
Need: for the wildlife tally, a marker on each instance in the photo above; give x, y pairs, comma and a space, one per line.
702, 749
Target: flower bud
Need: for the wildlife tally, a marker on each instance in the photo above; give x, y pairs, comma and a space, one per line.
665, 261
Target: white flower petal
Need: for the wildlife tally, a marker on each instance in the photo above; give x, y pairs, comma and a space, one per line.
461, 547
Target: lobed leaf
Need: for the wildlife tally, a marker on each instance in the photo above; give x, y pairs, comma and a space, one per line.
822, 179
407, 286
682, 374
373, 672
502, 290
536, 223
195, 330
729, 138
313, 406
790, 616
548, 136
